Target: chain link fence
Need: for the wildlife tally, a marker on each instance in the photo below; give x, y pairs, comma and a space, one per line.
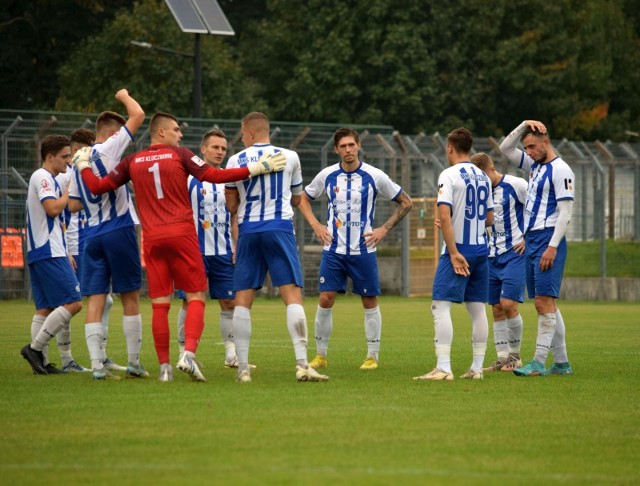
607, 205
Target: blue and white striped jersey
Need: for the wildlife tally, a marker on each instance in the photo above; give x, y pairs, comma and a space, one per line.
265, 201
467, 191
351, 204
63, 180
210, 216
45, 237
112, 210
509, 197
74, 223
548, 184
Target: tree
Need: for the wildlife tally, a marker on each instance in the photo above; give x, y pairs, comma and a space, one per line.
349, 62
158, 80
37, 37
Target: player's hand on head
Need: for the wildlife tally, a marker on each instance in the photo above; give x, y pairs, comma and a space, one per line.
537, 126
82, 159
267, 164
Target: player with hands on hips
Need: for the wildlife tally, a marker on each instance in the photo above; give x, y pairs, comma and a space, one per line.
349, 239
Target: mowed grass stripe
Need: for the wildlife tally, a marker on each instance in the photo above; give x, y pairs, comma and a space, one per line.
361, 427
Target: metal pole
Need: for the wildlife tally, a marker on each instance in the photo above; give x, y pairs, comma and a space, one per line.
197, 79
5, 168
599, 210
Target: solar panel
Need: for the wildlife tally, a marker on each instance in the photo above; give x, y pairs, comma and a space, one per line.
200, 16
187, 17
213, 17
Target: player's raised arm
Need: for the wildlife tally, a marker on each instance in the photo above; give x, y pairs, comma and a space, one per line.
135, 113
509, 146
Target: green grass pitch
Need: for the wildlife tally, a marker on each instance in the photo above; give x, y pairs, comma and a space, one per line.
376, 427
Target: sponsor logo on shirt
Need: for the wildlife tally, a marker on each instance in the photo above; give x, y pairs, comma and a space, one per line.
197, 160
349, 224
151, 158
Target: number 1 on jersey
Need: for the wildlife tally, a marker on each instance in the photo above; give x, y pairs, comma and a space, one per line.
155, 169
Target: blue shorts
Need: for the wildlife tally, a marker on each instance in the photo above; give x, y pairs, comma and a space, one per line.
219, 270
111, 261
507, 275
273, 251
451, 287
362, 269
78, 259
539, 283
54, 283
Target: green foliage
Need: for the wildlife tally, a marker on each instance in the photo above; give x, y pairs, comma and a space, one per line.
350, 62
416, 65
36, 38
160, 81
359, 428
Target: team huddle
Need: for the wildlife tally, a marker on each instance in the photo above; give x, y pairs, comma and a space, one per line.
221, 230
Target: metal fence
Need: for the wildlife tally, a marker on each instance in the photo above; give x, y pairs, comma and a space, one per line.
607, 202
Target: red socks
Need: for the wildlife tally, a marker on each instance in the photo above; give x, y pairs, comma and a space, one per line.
160, 330
193, 325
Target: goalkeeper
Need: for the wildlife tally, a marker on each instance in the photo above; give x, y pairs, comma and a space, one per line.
171, 251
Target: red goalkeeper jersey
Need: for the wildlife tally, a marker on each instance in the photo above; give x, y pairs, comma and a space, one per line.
159, 175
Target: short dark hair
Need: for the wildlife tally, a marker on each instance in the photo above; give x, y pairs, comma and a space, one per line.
345, 132
158, 118
52, 144
535, 133
83, 136
109, 119
461, 140
212, 133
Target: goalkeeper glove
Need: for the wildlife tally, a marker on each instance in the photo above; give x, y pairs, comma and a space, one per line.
82, 159
268, 163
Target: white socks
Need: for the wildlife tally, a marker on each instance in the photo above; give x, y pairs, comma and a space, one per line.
297, 326
558, 344
226, 331
182, 315
105, 326
242, 335
500, 338
132, 329
479, 334
546, 331
93, 333
36, 324
50, 327
514, 333
443, 327
373, 331
323, 327
64, 344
